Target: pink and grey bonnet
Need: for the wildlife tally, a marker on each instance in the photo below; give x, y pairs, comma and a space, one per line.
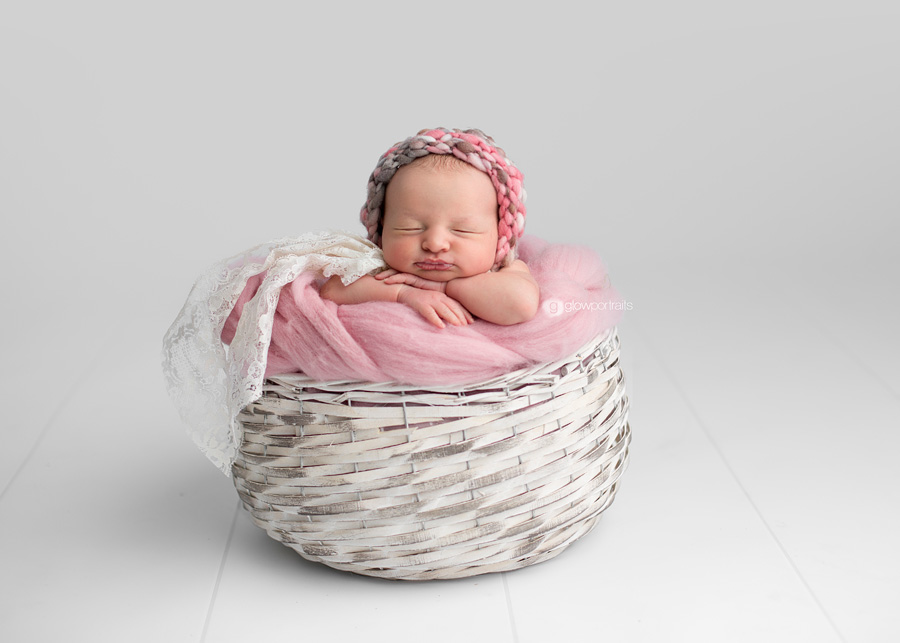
475, 148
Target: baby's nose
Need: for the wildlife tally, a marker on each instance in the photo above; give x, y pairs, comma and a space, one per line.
435, 241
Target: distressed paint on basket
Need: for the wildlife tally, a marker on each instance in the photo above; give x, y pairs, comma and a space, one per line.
438, 482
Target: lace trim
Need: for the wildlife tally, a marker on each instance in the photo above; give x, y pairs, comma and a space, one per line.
209, 382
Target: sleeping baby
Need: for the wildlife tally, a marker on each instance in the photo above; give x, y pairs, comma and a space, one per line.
445, 206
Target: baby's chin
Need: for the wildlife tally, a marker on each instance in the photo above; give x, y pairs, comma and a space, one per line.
446, 275
437, 275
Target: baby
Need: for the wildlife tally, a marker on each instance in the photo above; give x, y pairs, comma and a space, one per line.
432, 207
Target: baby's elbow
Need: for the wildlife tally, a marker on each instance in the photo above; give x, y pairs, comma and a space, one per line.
332, 289
531, 303
529, 308
523, 310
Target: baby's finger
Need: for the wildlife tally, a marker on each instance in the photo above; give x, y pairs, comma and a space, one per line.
401, 278
413, 280
385, 273
464, 316
461, 311
432, 316
454, 315
444, 313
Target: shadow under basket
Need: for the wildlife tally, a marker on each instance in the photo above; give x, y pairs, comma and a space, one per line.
421, 483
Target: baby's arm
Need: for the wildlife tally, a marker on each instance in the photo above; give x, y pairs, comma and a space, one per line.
508, 296
436, 307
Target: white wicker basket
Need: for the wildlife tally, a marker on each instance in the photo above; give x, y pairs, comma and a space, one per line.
442, 482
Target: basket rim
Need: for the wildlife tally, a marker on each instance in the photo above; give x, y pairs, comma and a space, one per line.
301, 380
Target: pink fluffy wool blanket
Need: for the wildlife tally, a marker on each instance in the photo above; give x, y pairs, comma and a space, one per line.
382, 342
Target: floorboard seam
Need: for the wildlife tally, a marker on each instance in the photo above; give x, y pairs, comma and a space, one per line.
93, 365
215, 592
509, 609
811, 322
737, 480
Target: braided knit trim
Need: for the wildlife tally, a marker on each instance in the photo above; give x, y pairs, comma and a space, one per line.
475, 148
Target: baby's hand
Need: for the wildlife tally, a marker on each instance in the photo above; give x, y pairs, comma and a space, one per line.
391, 276
387, 272
435, 306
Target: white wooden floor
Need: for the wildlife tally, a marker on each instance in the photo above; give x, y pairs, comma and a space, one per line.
760, 503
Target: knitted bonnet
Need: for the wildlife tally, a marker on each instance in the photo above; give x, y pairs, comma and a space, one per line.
475, 148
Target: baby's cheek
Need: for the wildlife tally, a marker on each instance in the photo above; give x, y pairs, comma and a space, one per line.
393, 256
486, 259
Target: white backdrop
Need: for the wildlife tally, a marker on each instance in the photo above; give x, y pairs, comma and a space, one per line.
142, 141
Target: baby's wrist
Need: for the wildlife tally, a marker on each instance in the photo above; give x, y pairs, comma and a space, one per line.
451, 288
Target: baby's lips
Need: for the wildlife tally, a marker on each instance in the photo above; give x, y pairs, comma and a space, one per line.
433, 265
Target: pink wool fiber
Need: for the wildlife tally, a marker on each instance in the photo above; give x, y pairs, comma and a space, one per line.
382, 342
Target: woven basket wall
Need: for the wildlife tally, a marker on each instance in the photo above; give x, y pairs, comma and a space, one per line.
420, 484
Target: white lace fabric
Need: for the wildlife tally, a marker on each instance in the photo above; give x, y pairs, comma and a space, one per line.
210, 383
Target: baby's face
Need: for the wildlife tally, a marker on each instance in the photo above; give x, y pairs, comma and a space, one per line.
440, 223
